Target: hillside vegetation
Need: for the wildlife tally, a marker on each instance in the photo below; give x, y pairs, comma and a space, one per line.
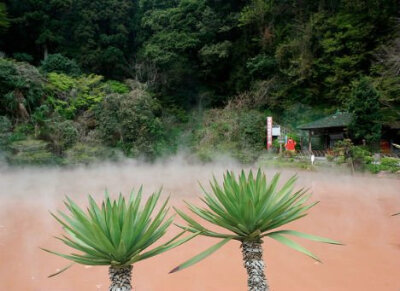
86, 80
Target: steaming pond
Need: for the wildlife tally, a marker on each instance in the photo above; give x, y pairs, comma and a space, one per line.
353, 209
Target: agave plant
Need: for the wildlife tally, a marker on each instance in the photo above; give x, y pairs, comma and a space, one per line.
250, 209
117, 234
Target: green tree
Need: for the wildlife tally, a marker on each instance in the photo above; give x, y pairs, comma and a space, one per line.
250, 209
117, 234
98, 34
386, 74
37, 26
61, 135
59, 64
4, 23
21, 89
132, 122
103, 35
190, 44
365, 106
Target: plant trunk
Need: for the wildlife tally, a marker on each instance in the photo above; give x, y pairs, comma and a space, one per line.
45, 52
120, 278
254, 264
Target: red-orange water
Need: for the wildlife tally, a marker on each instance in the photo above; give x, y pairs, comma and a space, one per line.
354, 210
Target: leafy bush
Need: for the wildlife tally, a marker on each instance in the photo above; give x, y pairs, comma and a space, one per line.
61, 134
373, 168
4, 21
21, 132
59, 64
261, 65
5, 130
386, 164
361, 157
239, 133
367, 117
41, 114
341, 160
23, 57
117, 87
31, 152
390, 164
289, 154
330, 157
61, 82
88, 154
132, 122
21, 88
343, 148
69, 95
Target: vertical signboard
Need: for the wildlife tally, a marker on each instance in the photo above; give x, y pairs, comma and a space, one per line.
269, 132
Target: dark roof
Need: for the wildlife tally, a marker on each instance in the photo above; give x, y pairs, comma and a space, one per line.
339, 119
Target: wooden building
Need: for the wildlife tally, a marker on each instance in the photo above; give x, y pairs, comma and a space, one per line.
331, 129
334, 127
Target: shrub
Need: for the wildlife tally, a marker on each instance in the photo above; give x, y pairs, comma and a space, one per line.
343, 148
117, 87
132, 122
30, 152
289, 154
61, 135
59, 64
240, 133
365, 106
72, 95
21, 132
41, 115
88, 154
390, 164
330, 157
61, 82
252, 129
23, 57
5, 130
360, 157
341, 160
21, 88
373, 168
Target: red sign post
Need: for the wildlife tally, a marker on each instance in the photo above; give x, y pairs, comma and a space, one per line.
269, 132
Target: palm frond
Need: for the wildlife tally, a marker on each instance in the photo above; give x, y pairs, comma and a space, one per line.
250, 208
118, 232
200, 256
249, 204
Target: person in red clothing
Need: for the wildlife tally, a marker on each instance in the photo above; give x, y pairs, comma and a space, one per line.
290, 145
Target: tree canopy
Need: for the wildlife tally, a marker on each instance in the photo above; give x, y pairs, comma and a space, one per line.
205, 51
297, 60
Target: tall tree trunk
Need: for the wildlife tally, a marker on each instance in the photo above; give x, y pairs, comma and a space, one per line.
254, 264
45, 52
120, 278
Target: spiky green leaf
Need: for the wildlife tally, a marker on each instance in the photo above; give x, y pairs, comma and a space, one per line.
200, 256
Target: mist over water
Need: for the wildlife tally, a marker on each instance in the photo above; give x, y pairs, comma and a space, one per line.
353, 209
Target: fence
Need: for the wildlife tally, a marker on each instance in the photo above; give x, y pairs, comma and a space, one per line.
317, 153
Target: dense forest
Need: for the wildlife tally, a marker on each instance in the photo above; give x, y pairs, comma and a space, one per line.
83, 79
